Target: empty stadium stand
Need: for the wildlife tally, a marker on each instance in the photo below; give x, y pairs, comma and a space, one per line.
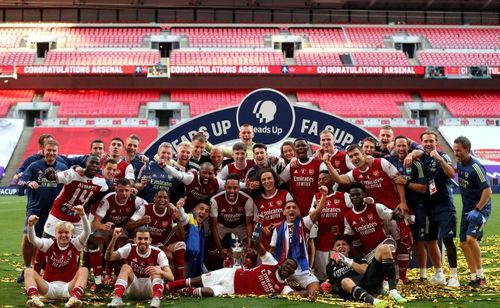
323, 38
11, 97
204, 101
453, 38
459, 58
353, 104
100, 103
226, 58
369, 37
466, 104
17, 58
102, 58
317, 58
78, 37
394, 58
225, 37
11, 37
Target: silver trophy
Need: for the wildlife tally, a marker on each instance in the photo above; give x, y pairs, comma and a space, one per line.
237, 251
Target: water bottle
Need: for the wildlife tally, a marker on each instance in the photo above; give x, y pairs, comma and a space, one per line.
257, 232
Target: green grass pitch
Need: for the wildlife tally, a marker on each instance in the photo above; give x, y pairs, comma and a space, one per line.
12, 211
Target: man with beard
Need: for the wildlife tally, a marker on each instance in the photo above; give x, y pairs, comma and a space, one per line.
114, 211
160, 216
414, 179
231, 211
96, 148
476, 201
145, 271
303, 176
77, 190
41, 195
379, 184
386, 145
200, 186
217, 159
442, 213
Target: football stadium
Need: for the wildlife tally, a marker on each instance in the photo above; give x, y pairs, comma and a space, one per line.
249, 153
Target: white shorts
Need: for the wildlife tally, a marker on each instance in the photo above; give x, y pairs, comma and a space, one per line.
58, 289
140, 288
220, 281
240, 231
320, 262
50, 226
304, 278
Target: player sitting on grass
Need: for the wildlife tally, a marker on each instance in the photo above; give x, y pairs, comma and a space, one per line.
144, 272
62, 278
267, 278
356, 279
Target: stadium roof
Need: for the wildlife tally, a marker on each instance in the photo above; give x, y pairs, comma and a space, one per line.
430, 5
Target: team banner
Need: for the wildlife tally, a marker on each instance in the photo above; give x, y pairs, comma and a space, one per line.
164, 71
295, 70
167, 71
273, 117
82, 70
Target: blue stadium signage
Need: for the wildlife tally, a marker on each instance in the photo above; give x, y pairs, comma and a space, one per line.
273, 117
8, 191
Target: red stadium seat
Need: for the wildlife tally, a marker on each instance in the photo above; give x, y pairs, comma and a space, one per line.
83, 103
11, 97
466, 104
346, 103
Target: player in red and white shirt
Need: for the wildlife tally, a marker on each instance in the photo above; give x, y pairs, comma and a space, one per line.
303, 176
77, 190
379, 184
200, 186
338, 158
231, 211
145, 270
271, 204
330, 222
365, 221
116, 209
289, 240
159, 216
62, 278
241, 164
124, 170
267, 278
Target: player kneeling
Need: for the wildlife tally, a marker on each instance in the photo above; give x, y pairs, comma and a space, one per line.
143, 275
62, 278
359, 280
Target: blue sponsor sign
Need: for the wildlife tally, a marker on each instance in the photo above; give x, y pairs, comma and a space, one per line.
273, 118
8, 191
